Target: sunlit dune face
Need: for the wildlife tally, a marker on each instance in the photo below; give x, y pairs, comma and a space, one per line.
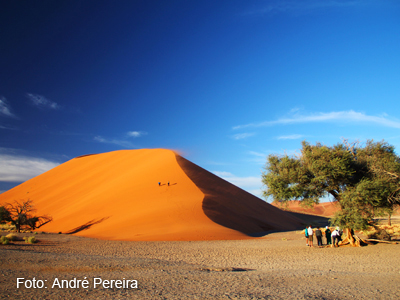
145, 195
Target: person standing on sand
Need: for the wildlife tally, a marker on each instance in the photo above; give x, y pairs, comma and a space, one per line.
159, 183
328, 235
310, 236
318, 235
335, 238
306, 234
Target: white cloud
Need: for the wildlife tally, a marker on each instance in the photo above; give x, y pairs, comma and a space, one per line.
300, 7
42, 102
122, 143
320, 117
241, 136
257, 157
136, 134
16, 168
257, 154
250, 184
223, 174
242, 182
4, 108
290, 137
216, 163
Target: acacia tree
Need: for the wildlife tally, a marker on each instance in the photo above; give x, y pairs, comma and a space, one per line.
4, 215
361, 179
21, 214
384, 166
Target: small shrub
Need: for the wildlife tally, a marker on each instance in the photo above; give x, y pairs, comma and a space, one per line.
7, 227
380, 234
4, 240
12, 237
369, 233
30, 239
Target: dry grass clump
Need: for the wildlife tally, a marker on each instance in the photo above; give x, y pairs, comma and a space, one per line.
30, 239
4, 240
12, 237
382, 232
7, 227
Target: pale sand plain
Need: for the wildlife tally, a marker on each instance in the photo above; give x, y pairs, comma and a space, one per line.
277, 266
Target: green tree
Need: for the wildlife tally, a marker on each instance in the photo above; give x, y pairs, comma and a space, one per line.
363, 180
21, 214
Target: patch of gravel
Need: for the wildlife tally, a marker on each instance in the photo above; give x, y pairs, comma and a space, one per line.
278, 266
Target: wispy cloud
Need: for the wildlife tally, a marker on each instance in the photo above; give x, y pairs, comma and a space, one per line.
250, 184
19, 168
122, 143
243, 182
41, 102
257, 157
320, 117
218, 163
258, 154
241, 136
297, 7
290, 137
136, 134
5, 109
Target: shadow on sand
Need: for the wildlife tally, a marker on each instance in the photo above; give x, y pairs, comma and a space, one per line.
86, 225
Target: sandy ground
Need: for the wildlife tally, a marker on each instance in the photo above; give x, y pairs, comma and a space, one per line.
278, 266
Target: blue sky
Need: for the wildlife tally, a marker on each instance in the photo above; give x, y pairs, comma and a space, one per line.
224, 82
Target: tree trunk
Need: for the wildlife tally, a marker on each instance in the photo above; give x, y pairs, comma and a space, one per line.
351, 239
389, 219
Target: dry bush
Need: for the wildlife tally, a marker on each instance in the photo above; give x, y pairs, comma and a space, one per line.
380, 234
12, 237
30, 239
4, 240
7, 227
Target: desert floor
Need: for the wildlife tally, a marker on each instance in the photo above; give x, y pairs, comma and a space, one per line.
277, 266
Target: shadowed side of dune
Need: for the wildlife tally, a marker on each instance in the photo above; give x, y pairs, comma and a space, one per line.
232, 207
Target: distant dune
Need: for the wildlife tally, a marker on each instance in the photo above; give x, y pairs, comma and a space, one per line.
326, 209
116, 196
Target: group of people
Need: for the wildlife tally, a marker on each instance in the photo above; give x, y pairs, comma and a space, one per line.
332, 238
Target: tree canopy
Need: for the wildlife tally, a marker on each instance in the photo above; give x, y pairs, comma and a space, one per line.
364, 180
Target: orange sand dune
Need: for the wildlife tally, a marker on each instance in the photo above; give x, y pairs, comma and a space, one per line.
325, 209
116, 196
